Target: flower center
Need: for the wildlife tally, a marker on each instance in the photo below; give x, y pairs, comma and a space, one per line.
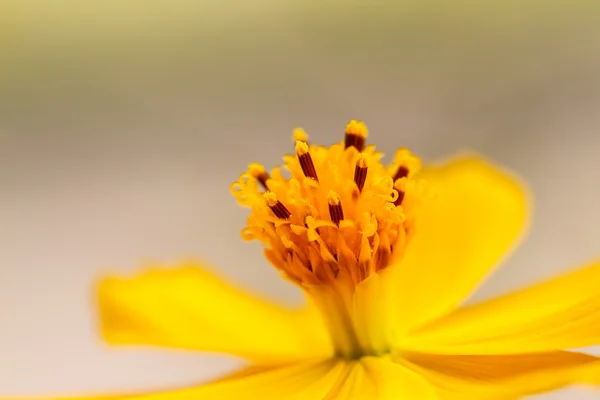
341, 217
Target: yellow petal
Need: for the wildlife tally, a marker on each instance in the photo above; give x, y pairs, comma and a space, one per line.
559, 313
386, 380
373, 306
189, 308
295, 382
473, 218
331, 379
380, 379
305, 380
591, 376
501, 377
350, 382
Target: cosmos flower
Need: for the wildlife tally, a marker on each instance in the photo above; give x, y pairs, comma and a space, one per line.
386, 256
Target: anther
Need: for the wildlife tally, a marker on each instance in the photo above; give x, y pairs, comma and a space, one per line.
356, 134
402, 172
306, 161
335, 207
406, 163
360, 171
276, 206
300, 135
400, 187
259, 173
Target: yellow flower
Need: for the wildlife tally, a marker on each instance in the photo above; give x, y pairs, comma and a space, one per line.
385, 256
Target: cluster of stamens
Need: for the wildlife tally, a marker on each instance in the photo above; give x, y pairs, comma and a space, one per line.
342, 215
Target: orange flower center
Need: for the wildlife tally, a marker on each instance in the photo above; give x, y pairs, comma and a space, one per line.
342, 215
340, 218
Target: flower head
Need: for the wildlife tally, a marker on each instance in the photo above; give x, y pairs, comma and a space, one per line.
386, 255
340, 219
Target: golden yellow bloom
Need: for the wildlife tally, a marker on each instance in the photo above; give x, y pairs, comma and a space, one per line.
385, 256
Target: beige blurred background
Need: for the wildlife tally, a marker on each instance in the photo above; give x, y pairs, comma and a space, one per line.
123, 122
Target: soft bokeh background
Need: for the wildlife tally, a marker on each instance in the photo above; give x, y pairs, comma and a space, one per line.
123, 122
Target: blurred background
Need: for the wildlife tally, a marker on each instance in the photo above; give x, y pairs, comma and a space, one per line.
123, 122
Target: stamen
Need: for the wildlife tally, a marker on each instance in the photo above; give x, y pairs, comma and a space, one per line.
405, 163
299, 134
360, 171
306, 161
259, 173
402, 172
308, 234
276, 206
400, 187
335, 207
356, 133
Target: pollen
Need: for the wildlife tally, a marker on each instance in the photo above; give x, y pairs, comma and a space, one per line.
339, 215
299, 135
259, 173
405, 164
360, 171
356, 135
335, 208
305, 159
276, 206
